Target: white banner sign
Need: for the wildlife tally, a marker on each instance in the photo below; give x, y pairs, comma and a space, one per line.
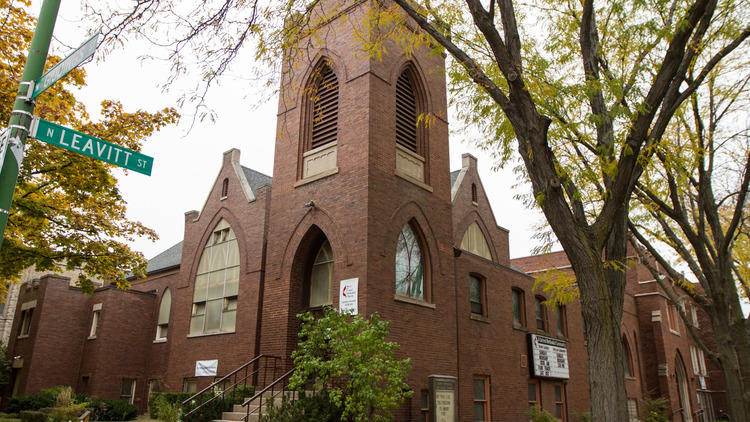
206, 368
348, 294
549, 357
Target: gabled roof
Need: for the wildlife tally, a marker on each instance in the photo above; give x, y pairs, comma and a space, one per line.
454, 177
166, 260
256, 179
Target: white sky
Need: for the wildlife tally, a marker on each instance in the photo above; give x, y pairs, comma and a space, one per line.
186, 164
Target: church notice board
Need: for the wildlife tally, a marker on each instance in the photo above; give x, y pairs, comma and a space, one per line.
549, 357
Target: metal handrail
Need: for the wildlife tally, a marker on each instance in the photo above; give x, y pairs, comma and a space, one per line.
221, 380
272, 386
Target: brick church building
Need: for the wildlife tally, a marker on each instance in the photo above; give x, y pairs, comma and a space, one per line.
361, 194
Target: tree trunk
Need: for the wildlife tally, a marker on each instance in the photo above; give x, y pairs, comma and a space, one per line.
730, 370
602, 292
732, 348
604, 347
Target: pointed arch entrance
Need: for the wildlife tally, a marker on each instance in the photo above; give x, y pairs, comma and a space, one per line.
683, 390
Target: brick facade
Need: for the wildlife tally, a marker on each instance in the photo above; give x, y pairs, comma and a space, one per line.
359, 205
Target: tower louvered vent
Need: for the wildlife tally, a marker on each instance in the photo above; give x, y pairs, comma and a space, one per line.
325, 108
406, 113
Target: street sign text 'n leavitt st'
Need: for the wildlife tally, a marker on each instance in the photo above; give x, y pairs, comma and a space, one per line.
89, 146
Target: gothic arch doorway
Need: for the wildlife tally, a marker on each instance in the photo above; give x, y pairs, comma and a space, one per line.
683, 390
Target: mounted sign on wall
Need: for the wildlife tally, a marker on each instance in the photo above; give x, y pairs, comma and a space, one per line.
348, 294
549, 357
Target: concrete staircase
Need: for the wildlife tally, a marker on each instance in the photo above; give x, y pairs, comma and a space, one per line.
239, 412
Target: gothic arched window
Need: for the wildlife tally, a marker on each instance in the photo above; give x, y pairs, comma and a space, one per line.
324, 110
217, 284
163, 321
474, 242
321, 276
410, 265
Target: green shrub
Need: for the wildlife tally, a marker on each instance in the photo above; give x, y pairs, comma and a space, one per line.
64, 398
537, 414
17, 404
112, 410
210, 411
655, 410
33, 416
67, 413
584, 417
348, 358
318, 408
52, 392
169, 412
156, 398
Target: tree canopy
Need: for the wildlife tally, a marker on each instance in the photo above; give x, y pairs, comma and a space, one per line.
67, 210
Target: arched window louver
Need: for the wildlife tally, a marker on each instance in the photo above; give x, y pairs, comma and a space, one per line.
406, 112
325, 101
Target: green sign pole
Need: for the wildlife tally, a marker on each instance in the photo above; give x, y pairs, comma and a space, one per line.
23, 109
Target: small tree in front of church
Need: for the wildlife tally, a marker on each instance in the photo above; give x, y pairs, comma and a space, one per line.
348, 359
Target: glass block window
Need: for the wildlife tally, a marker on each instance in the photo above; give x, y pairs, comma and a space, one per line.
409, 265
217, 284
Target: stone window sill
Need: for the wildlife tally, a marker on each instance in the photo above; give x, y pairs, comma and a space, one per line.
160, 340
23, 336
520, 328
408, 178
91, 338
480, 318
418, 302
209, 334
318, 176
677, 333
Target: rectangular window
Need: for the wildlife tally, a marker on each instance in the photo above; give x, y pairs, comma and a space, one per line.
694, 315
694, 360
534, 395
632, 410
702, 362
539, 312
190, 385
424, 406
127, 390
672, 314
481, 399
94, 324
562, 329
26, 321
560, 402
519, 314
476, 295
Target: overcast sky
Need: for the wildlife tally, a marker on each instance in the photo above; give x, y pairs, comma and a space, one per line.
186, 162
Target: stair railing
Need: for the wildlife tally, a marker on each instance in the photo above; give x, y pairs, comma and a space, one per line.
225, 388
278, 386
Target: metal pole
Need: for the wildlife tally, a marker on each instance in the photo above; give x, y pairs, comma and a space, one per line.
20, 119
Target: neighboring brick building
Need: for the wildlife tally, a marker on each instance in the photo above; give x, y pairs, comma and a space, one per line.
8, 306
662, 359
360, 194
